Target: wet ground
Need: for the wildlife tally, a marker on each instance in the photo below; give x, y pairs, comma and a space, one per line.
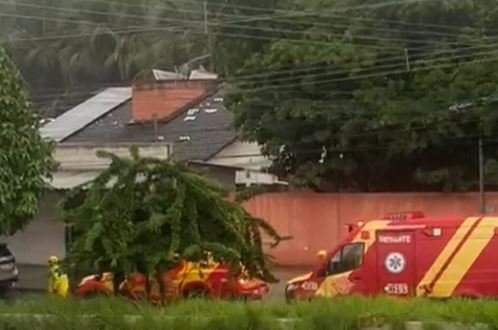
277, 291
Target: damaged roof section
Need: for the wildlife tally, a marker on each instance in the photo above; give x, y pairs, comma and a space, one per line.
197, 132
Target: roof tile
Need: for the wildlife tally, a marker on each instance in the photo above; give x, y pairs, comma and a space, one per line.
208, 128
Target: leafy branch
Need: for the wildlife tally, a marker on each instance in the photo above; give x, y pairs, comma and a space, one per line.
140, 212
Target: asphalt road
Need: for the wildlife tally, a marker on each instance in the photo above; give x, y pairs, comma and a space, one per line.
277, 290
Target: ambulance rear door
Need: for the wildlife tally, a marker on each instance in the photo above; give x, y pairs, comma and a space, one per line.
396, 268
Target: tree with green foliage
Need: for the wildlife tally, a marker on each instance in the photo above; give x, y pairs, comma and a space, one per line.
25, 159
140, 212
67, 49
98, 42
375, 96
239, 28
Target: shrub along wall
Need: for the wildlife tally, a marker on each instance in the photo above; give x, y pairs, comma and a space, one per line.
349, 313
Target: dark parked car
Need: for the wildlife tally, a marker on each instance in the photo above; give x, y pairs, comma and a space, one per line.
8, 271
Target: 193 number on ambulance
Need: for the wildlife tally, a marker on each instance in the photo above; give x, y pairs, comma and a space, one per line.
399, 289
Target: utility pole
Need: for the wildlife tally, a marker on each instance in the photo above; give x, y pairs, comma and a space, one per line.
206, 31
482, 200
407, 60
209, 37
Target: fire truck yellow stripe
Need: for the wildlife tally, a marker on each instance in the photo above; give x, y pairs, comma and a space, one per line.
463, 260
443, 257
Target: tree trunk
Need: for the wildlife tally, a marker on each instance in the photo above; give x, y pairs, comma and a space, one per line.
117, 279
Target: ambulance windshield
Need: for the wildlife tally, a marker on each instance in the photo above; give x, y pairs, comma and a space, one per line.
348, 258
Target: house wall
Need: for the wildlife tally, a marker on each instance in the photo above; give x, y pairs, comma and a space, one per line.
318, 221
241, 154
223, 175
42, 238
82, 156
247, 156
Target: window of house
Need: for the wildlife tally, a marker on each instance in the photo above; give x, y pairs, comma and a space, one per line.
350, 257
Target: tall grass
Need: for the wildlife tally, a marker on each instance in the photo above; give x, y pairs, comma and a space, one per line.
347, 313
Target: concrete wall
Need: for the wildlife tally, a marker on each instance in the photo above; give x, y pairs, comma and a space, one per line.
318, 221
43, 237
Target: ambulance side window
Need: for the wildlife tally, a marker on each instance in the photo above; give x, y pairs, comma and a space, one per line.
350, 257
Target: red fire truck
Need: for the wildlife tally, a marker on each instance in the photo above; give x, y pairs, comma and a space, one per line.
408, 254
187, 279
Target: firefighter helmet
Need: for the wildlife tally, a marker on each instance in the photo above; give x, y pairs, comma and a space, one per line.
53, 260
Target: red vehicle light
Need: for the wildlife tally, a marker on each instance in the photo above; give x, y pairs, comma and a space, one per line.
403, 216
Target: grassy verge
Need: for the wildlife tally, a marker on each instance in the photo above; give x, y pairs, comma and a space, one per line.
348, 313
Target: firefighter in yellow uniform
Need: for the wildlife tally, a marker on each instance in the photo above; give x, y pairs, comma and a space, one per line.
58, 282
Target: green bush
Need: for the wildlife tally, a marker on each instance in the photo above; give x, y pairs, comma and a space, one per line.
347, 313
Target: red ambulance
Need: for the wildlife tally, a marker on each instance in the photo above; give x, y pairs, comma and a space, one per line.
408, 254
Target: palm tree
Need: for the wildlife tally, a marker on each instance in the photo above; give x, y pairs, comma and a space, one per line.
63, 44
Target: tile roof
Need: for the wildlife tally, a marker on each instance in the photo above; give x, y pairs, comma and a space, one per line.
196, 133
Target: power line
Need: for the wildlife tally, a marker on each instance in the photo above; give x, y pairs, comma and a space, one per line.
343, 9
327, 12
245, 27
306, 69
158, 29
148, 30
373, 75
466, 55
241, 80
339, 72
429, 63
262, 29
117, 32
336, 10
103, 13
280, 11
274, 17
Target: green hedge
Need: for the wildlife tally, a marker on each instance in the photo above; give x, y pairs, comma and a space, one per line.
350, 313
